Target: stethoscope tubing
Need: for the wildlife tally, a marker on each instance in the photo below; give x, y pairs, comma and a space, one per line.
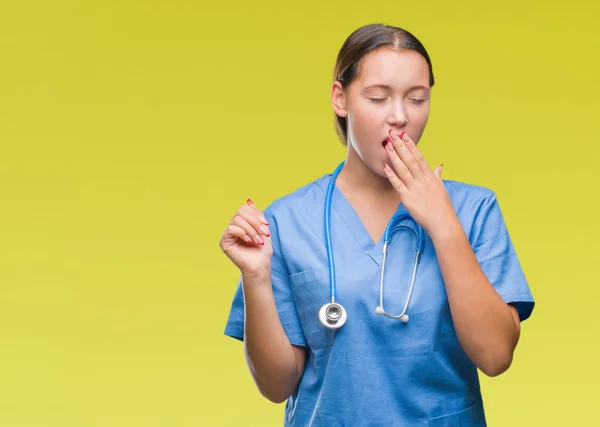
333, 315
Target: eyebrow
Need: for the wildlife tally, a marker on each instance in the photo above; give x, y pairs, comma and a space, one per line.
386, 87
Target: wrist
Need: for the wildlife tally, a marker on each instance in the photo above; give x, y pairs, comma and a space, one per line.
448, 229
260, 273
257, 285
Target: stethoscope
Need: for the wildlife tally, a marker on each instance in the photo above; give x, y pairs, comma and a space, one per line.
332, 314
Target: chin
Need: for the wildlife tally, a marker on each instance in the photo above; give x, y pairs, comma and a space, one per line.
377, 169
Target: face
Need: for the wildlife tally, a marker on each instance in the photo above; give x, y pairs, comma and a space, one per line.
391, 91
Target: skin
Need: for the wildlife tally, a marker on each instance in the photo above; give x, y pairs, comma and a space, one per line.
389, 98
390, 91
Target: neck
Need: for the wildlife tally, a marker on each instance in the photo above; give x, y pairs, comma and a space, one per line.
356, 178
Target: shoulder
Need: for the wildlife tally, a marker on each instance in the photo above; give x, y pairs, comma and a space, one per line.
464, 190
297, 214
469, 197
478, 209
299, 200
476, 206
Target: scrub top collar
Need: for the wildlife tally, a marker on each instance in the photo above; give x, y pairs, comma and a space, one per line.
344, 210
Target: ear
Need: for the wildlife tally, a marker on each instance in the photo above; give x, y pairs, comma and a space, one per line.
338, 99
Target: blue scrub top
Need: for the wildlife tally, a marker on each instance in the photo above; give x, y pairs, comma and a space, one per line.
376, 371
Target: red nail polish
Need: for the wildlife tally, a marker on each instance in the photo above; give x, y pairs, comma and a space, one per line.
402, 135
249, 201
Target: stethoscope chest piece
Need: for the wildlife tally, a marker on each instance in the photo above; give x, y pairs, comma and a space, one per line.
333, 315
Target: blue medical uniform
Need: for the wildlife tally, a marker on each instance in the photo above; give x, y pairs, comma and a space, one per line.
376, 371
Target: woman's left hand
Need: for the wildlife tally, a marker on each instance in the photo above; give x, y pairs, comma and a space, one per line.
421, 190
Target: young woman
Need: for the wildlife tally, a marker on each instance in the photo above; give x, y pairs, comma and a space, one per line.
325, 326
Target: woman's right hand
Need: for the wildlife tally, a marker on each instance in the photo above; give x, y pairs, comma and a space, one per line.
246, 241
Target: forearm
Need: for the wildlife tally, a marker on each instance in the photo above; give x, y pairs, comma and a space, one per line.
269, 353
484, 323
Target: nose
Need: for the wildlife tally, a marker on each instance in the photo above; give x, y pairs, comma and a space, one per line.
397, 116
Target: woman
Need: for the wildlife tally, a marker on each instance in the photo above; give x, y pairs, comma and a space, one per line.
461, 315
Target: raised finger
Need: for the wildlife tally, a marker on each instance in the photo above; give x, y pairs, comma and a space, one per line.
240, 233
398, 165
405, 154
396, 182
254, 219
260, 215
254, 233
416, 153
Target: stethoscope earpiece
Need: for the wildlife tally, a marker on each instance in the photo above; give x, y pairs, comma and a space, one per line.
402, 317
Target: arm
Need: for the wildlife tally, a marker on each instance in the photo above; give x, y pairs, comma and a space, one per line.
263, 312
487, 328
275, 365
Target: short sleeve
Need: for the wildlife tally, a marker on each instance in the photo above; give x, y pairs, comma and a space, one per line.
282, 292
496, 254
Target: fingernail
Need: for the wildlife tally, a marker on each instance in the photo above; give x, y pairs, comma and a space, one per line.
264, 230
389, 146
402, 137
248, 239
249, 201
263, 220
259, 240
392, 135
